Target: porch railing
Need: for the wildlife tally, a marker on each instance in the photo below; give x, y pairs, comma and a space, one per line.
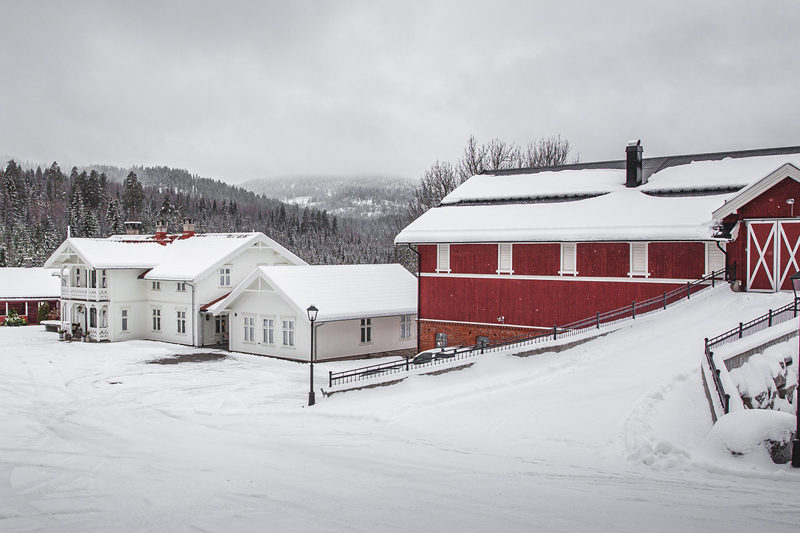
599, 320
89, 294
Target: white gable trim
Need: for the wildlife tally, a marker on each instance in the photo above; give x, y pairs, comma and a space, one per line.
754, 190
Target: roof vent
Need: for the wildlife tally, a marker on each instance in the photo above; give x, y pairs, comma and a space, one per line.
633, 166
132, 228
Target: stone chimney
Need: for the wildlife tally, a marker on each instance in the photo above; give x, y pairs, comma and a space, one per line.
188, 228
161, 230
132, 228
633, 165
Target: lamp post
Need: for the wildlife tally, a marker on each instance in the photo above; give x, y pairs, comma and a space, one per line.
312, 316
796, 441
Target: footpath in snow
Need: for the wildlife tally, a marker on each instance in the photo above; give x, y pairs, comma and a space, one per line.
605, 436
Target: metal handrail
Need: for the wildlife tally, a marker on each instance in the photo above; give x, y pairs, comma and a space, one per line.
745, 329
606, 318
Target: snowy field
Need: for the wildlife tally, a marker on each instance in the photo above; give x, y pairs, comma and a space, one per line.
606, 436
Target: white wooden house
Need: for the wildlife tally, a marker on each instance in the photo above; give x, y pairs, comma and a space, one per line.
364, 311
156, 286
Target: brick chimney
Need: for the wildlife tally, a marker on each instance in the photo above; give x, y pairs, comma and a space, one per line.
161, 230
188, 228
633, 166
132, 228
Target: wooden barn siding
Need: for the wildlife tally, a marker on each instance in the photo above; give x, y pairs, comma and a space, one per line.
536, 259
541, 303
676, 260
603, 259
33, 308
473, 258
427, 257
769, 204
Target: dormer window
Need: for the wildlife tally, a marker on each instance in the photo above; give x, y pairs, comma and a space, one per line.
225, 276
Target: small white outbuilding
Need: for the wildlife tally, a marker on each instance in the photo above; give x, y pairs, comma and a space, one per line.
364, 311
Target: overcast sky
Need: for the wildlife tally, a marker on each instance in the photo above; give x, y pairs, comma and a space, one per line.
241, 90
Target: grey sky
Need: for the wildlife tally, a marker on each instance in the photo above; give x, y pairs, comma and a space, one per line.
241, 90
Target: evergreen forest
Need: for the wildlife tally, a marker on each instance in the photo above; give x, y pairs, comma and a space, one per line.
37, 206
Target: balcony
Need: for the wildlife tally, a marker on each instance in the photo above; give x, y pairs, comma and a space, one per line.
87, 294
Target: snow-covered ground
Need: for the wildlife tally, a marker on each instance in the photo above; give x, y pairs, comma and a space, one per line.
606, 436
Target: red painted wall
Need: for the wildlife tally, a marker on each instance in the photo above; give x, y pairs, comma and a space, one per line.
541, 303
676, 260
427, 257
33, 308
536, 259
473, 258
603, 259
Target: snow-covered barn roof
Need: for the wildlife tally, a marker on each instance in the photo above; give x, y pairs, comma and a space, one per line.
185, 259
340, 292
28, 283
590, 202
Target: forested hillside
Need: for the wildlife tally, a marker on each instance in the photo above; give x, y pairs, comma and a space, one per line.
357, 196
37, 205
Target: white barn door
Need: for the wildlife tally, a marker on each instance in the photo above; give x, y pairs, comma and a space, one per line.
772, 254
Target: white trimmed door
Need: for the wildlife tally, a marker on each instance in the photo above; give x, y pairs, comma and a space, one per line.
772, 254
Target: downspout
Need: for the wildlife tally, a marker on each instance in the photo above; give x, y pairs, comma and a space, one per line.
419, 289
194, 318
721, 249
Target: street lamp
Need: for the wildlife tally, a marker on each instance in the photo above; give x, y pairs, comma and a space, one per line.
312, 316
796, 441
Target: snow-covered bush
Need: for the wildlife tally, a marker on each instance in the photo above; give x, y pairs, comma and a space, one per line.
13, 319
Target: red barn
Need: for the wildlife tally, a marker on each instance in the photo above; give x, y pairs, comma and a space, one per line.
513, 251
25, 289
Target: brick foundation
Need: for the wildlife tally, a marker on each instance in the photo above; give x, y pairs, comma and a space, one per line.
466, 334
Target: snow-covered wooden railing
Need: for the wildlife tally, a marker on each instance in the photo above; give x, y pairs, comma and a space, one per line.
745, 329
599, 320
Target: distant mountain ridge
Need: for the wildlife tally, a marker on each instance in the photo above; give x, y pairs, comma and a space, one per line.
353, 196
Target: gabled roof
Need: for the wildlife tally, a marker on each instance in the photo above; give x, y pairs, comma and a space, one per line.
187, 259
29, 283
757, 188
589, 201
340, 292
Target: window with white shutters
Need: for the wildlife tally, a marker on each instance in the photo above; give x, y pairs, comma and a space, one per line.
442, 258
715, 258
568, 258
504, 258
638, 259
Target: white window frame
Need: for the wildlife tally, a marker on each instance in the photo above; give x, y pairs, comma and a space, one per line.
268, 330
712, 247
441, 340
569, 248
366, 331
156, 286
509, 249
633, 271
249, 328
405, 327
225, 276
103, 317
124, 319
442, 258
288, 325
181, 286
180, 320
155, 313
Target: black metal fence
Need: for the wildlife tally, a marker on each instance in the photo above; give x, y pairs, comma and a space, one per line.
608, 318
745, 329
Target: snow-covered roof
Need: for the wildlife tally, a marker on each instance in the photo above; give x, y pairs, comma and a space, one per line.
340, 292
186, 259
592, 204
28, 283
624, 215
